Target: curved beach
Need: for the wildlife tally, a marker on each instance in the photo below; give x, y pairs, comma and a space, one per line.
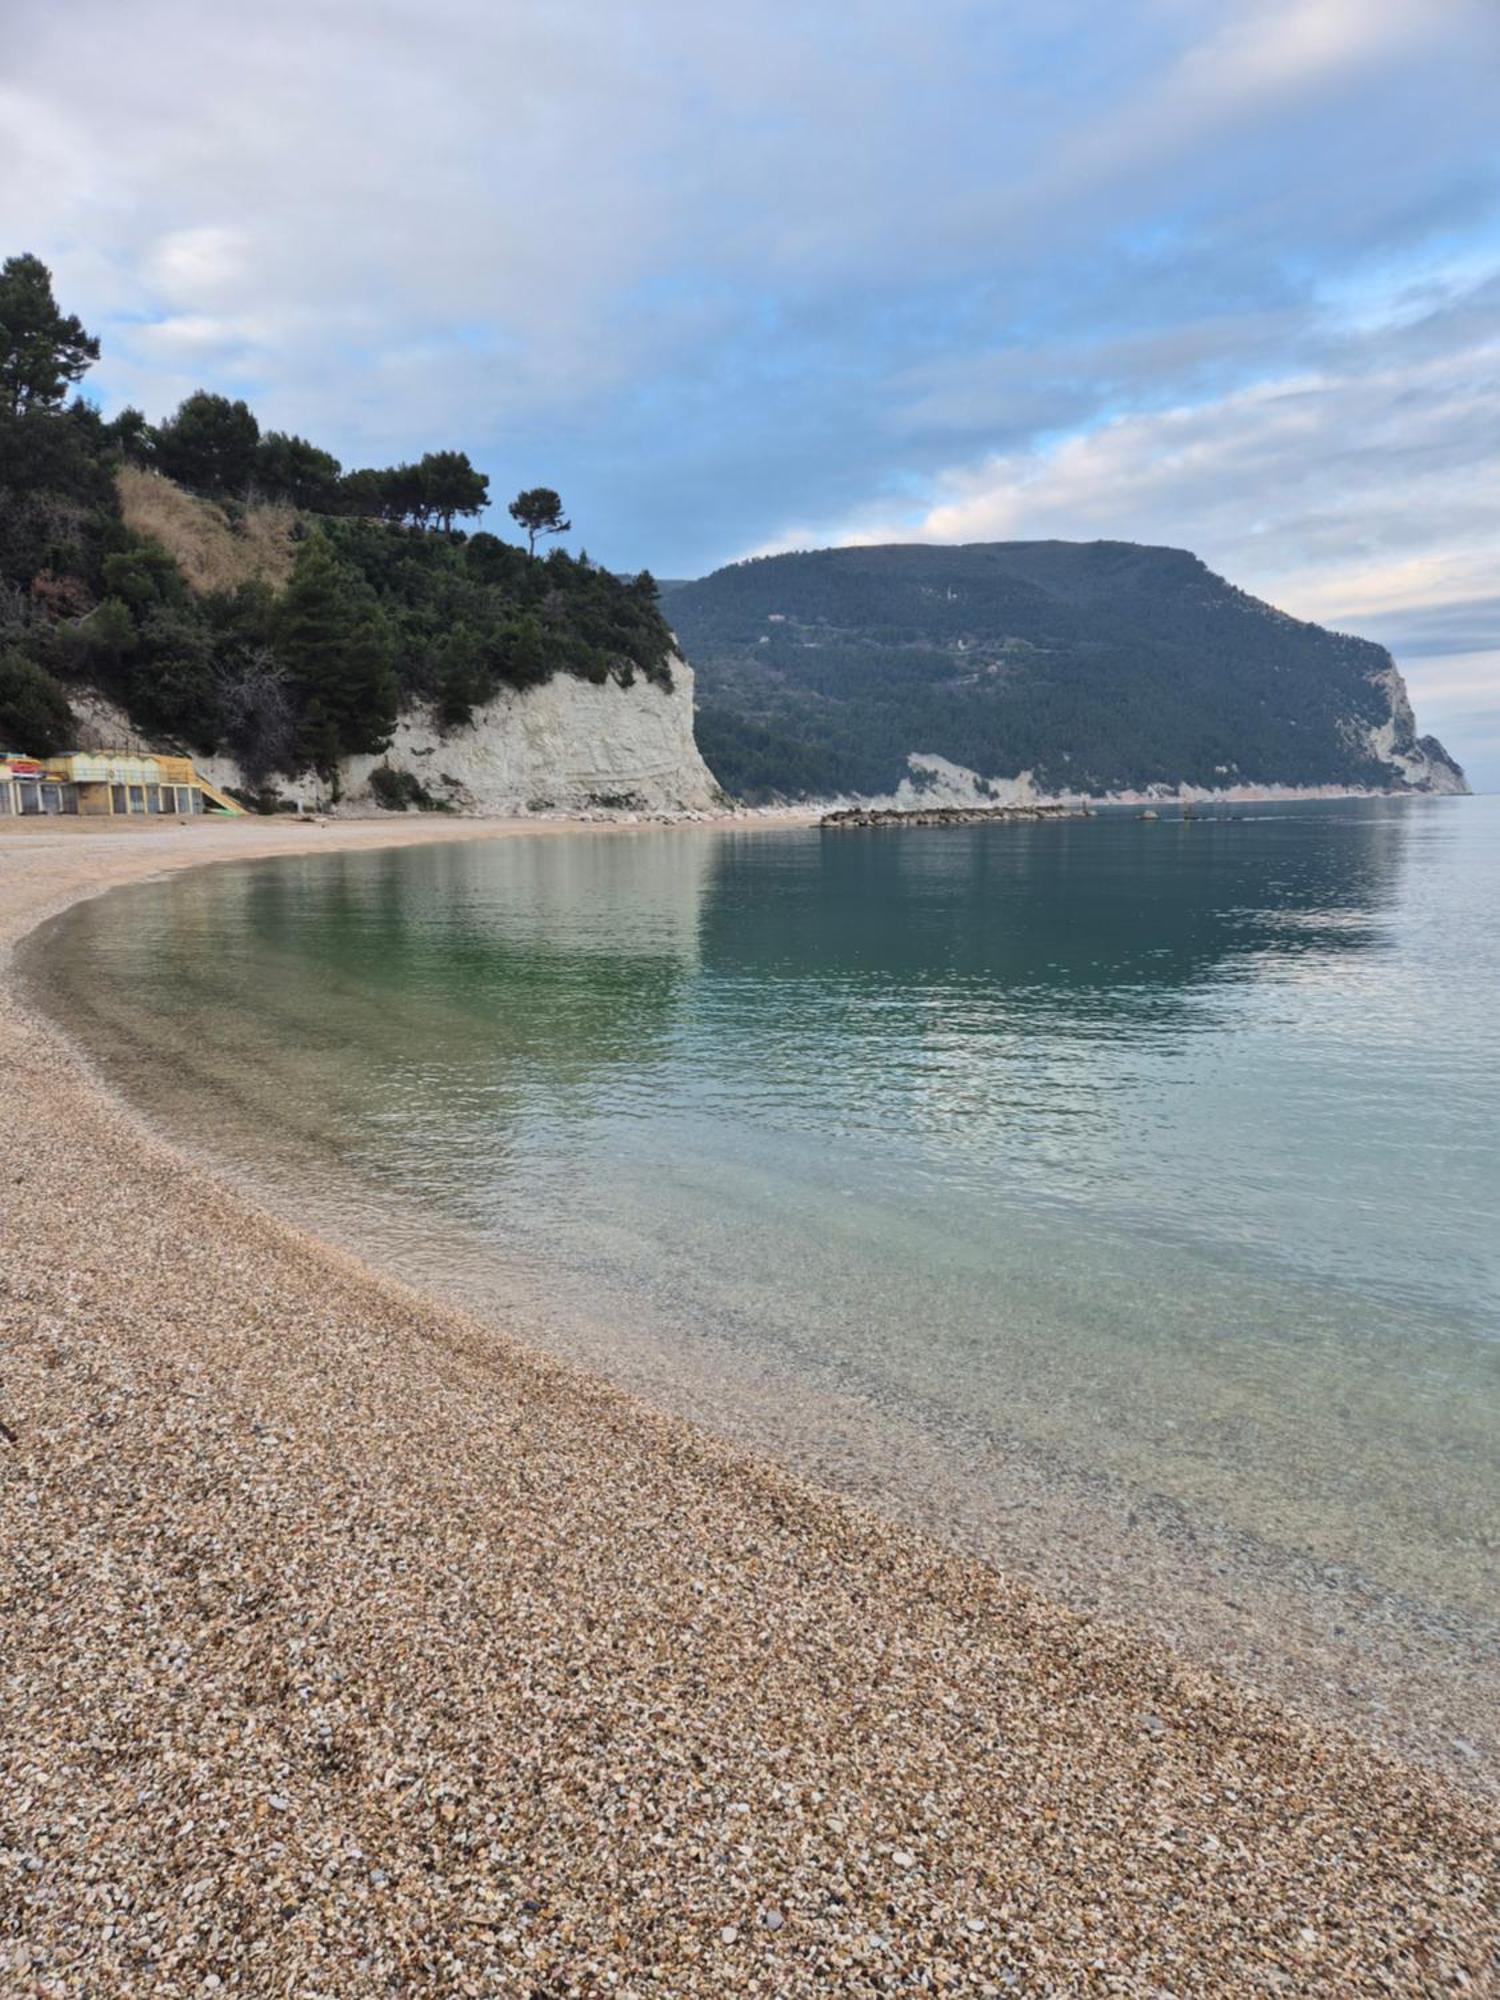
352, 1647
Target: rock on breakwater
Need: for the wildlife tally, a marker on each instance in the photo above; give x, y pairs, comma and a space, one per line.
867, 816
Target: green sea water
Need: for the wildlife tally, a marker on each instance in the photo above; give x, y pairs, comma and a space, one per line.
1119, 1198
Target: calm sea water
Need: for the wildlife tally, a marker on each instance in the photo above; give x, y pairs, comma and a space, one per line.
1122, 1197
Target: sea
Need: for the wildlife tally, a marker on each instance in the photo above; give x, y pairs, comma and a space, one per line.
1117, 1199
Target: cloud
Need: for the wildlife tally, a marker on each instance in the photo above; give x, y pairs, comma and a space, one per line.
1211, 272
1361, 487
1361, 493
538, 169
208, 267
1268, 51
1262, 58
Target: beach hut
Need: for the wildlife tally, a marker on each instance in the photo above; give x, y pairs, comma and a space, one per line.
29, 789
109, 783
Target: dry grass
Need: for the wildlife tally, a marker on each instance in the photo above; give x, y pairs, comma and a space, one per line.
213, 552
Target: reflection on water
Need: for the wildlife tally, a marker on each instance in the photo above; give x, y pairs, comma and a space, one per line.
1152, 1165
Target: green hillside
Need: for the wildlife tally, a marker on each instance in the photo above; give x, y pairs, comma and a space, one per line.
1096, 666
236, 589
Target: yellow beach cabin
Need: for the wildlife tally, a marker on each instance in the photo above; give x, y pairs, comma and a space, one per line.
105, 783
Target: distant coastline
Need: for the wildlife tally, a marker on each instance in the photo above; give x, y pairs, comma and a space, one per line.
1104, 667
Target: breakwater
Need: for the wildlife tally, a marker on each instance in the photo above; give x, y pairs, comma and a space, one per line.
864, 816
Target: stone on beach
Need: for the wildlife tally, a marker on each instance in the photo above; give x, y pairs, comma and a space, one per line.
350, 1647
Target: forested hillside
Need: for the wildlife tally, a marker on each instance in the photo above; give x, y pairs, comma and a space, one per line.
1096, 667
310, 603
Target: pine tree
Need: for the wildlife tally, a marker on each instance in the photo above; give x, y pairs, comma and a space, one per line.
450, 486
210, 445
539, 511
42, 351
334, 644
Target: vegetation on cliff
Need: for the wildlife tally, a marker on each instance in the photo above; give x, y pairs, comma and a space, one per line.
1098, 667
251, 595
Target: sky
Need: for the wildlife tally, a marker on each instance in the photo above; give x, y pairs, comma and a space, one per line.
1223, 274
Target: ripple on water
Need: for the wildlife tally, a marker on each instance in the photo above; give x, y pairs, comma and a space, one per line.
1122, 1209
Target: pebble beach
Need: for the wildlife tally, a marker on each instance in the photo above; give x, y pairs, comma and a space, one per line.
351, 1646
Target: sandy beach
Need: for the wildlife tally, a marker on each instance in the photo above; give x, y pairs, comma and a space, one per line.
350, 1647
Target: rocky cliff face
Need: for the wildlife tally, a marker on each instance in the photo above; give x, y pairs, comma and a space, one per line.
1419, 763
567, 746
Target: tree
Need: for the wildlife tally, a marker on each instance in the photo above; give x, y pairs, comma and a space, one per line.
334, 645
170, 686
260, 720
363, 494
318, 745
41, 350
34, 712
130, 435
442, 486
51, 451
144, 575
490, 561
210, 444
450, 486
100, 644
55, 499
257, 701
405, 495
539, 511
289, 468
462, 683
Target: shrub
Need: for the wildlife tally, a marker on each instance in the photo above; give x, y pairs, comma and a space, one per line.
34, 711
396, 791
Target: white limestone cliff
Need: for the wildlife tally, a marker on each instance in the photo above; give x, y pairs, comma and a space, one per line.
1421, 762
567, 746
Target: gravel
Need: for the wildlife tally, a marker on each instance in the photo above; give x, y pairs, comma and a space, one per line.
348, 1647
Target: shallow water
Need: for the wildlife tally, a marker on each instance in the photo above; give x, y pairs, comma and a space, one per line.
1119, 1198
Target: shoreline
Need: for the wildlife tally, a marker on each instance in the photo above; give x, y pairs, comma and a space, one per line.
1329, 1629
592, 1693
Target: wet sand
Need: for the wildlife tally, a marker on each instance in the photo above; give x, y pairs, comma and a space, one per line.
353, 1647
